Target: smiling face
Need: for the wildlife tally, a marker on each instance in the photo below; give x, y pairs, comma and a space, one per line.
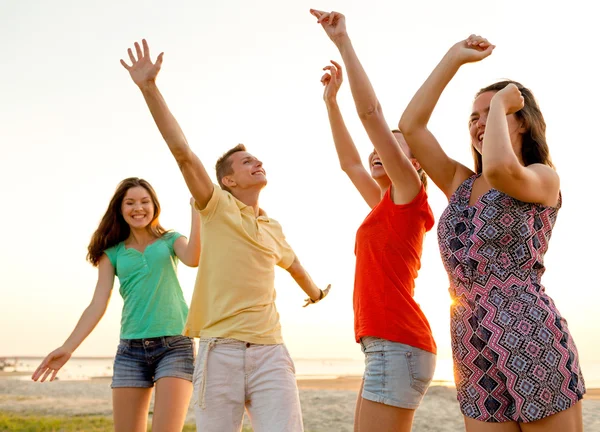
375, 164
137, 207
478, 122
246, 172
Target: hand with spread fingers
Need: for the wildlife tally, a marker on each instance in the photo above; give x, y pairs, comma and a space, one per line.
324, 293
52, 364
334, 24
511, 99
332, 80
142, 70
473, 49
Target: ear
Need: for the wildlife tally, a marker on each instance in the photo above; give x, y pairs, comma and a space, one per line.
523, 126
415, 163
228, 181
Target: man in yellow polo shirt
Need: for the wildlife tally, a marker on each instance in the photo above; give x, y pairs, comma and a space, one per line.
242, 362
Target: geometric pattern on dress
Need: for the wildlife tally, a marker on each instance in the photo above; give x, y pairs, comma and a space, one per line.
514, 358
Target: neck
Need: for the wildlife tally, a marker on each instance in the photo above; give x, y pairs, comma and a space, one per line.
249, 197
384, 183
140, 236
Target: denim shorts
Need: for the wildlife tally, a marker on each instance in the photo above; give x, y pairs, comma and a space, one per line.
396, 374
142, 362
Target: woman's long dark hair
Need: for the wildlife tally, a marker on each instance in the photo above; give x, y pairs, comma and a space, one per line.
535, 148
113, 229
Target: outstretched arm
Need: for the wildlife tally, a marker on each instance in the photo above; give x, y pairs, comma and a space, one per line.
398, 167
143, 73
536, 183
344, 145
188, 250
445, 172
305, 282
88, 321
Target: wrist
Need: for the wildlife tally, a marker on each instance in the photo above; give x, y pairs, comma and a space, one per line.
331, 102
147, 86
68, 348
341, 40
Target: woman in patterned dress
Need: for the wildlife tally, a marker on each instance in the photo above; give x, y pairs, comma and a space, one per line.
515, 362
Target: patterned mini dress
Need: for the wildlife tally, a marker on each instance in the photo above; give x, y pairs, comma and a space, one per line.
514, 359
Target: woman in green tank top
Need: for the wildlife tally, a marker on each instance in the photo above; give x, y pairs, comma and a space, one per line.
131, 244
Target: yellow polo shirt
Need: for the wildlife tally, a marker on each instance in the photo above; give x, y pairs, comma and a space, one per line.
234, 296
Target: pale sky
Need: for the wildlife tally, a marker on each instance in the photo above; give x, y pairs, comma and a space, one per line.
73, 124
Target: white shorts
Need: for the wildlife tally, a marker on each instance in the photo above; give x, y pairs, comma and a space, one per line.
231, 375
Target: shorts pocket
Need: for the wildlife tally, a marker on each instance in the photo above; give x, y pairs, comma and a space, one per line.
421, 365
178, 342
122, 347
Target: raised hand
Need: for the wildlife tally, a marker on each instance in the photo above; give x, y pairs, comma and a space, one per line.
334, 24
52, 364
473, 49
332, 80
142, 70
324, 293
511, 99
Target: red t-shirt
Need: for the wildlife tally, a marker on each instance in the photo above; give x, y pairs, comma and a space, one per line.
388, 257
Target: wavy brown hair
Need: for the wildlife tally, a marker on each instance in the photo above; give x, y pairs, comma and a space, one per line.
535, 148
113, 229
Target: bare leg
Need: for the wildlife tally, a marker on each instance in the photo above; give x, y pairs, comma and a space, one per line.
378, 417
171, 403
130, 408
569, 420
472, 425
358, 403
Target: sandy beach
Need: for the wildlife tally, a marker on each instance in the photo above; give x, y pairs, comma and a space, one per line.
327, 404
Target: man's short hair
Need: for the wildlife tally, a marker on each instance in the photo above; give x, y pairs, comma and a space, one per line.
224, 165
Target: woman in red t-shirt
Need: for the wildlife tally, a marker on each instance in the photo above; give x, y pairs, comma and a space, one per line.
400, 352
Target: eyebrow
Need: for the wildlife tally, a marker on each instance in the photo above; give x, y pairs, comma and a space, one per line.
476, 113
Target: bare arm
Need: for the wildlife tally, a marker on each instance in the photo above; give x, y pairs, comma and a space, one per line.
305, 282
89, 319
502, 169
445, 172
344, 145
188, 251
143, 73
398, 167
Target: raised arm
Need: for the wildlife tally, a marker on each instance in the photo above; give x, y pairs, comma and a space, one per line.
445, 172
536, 183
344, 145
398, 167
188, 250
89, 319
143, 73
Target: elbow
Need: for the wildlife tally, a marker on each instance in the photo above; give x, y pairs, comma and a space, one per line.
370, 112
407, 125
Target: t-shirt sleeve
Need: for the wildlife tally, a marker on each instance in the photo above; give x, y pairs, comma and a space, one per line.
208, 212
170, 238
111, 253
286, 253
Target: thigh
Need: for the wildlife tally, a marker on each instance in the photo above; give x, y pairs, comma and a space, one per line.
472, 425
358, 405
131, 368
396, 374
272, 393
379, 417
219, 388
171, 402
130, 409
177, 359
570, 420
